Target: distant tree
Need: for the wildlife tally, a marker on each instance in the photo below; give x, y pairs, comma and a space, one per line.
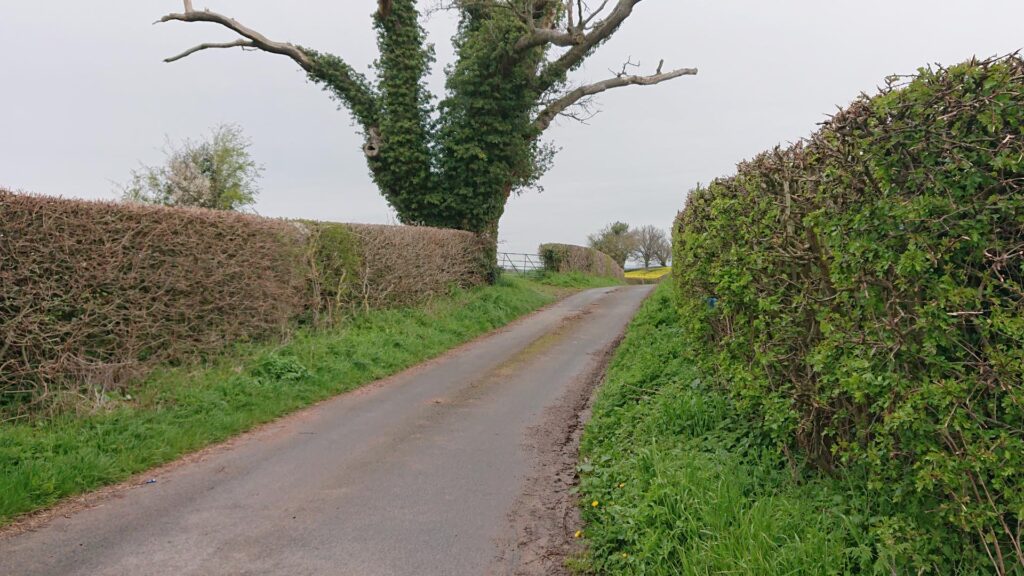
615, 240
216, 173
652, 244
664, 253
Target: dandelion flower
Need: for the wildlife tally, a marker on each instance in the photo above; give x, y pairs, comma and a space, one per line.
594, 503
578, 534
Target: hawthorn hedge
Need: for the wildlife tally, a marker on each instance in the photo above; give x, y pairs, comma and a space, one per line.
93, 294
861, 296
570, 258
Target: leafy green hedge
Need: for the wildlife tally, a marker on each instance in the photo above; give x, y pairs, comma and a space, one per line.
861, 296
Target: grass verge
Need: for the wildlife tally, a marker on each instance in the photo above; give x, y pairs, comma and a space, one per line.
572, 280
673, 483
179, 410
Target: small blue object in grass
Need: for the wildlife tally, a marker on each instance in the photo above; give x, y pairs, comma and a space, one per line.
712, 302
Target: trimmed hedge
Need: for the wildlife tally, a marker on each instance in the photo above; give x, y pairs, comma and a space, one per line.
569, 258
365, 266
861, 295
92, 294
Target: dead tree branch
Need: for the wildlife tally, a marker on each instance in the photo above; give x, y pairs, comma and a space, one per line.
577, 22
559, 105
209, 45
542, 36
253, 38
554, 71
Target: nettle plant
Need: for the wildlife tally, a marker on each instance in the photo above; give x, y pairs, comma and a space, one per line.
453, 162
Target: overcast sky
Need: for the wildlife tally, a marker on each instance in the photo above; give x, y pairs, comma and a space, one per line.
84, 97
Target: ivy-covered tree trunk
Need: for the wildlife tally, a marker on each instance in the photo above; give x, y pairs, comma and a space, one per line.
454, 162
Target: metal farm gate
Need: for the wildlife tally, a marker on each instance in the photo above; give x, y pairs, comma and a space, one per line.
517, 263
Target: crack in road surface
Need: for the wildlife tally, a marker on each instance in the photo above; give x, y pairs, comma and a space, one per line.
460, 466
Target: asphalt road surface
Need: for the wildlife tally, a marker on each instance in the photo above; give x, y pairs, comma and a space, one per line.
414, 475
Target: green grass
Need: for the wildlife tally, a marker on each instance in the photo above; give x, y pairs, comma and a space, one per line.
684, 488
574, 280
179, 410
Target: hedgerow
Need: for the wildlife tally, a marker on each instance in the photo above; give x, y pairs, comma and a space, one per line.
93, 294
860, 296
359, 267
564, 258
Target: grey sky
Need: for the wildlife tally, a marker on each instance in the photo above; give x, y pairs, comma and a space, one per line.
84, 97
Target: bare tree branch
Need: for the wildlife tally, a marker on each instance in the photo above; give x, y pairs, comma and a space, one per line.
208, 45
584, 22
338, 77
581, 111
577, 23
256, 40
542, 36
557, 107
555, 71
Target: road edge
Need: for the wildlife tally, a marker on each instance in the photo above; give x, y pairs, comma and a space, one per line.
541, 524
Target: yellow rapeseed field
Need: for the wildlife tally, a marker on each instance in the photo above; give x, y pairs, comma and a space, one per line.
648, 274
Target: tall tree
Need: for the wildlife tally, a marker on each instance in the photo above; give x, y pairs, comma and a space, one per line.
616, 240
652, 244
455, 162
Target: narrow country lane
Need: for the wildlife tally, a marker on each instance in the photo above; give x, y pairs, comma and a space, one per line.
415, 475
